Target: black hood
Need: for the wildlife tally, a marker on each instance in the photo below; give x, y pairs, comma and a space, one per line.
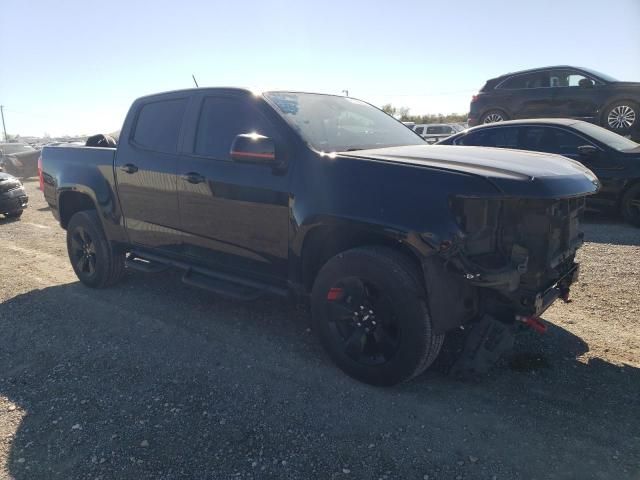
515, 173
5, 176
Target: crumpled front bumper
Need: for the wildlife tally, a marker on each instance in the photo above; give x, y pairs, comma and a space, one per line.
13, 200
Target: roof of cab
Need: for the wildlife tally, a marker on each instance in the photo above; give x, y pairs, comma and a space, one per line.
186, 91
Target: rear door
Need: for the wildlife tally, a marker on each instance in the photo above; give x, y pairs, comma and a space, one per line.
235, 216
498, 136
528, 94
145, 169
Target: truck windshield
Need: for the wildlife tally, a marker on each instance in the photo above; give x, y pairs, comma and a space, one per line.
336, 124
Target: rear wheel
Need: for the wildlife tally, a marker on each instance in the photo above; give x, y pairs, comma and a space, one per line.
493, 116
621, 117
369, 309
96, 263
630, 205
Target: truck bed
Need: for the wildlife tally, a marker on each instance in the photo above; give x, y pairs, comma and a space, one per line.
82, 166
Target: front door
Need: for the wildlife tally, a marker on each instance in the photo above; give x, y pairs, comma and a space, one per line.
235, 216
145, 170
574, 95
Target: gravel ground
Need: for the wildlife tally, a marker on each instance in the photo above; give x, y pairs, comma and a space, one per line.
151, 379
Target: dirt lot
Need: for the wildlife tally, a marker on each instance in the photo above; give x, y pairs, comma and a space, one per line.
151, 379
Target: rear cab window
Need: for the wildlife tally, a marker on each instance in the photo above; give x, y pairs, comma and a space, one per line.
158, 125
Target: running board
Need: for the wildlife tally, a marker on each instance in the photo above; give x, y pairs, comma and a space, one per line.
143, 265
218, 282
228, 289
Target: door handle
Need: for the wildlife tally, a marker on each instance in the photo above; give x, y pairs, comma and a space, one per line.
193, 177
129, 168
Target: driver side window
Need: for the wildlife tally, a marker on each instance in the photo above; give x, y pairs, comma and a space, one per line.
569, 78
221, 119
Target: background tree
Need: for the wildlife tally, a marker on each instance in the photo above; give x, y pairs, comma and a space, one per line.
403, 113
390, 109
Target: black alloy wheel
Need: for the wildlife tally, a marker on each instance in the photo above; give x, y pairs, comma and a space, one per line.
362, 320
95, 261
83, 251
369, 309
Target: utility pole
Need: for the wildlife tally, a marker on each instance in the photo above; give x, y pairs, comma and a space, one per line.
3, 126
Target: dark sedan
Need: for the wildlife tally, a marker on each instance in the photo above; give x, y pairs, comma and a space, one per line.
19, 159
613, 158
562, 92
13, 198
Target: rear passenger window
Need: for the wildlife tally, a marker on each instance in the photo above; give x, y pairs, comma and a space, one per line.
221, 119
158, 125
527, 80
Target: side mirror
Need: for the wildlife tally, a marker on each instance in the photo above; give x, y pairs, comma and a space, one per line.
587, 151
253, 148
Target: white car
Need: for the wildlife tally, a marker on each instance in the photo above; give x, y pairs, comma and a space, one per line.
434, 132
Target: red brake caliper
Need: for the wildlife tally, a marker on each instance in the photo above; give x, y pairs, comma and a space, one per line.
334, 294
536, 324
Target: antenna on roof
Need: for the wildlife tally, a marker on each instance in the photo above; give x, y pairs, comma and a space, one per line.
194, 80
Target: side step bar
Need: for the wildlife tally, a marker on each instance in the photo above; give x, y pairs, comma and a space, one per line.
218, 282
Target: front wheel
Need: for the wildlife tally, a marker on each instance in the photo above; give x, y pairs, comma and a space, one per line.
96, 263
370, 311
621, 117
630, 205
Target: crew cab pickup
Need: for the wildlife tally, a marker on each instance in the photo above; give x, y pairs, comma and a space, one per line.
395, 243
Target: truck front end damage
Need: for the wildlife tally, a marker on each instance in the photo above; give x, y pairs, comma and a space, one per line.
511, 259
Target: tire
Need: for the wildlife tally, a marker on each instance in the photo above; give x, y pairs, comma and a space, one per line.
14, 214
621, 117
630, 205
493, 116
96, 263
369, 309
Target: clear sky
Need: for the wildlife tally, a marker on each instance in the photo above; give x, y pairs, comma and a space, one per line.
72, 66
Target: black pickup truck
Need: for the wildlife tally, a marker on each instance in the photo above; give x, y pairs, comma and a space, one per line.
395, 243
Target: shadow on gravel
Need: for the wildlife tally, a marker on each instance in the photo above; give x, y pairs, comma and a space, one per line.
154, 380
